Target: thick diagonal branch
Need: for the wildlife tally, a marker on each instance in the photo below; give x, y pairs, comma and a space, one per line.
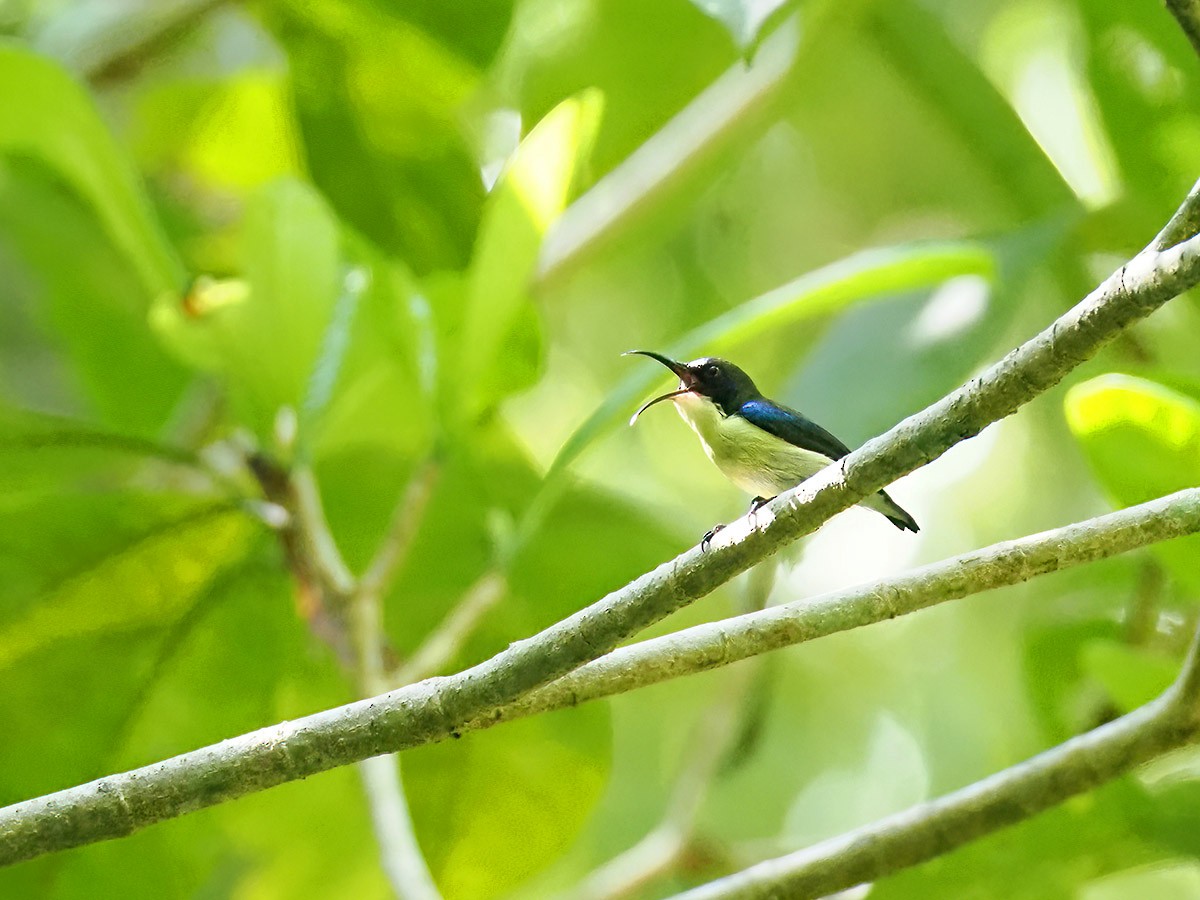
433, 709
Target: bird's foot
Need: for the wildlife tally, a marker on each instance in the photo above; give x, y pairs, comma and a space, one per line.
708, 536
757, 503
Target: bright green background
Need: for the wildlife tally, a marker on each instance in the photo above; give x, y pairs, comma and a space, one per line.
952, 176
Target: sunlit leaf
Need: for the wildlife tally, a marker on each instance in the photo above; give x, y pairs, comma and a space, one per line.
531, 193
264, 335
1142, 441
235, 133
148, 581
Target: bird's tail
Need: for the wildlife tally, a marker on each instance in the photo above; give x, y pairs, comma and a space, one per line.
884, 504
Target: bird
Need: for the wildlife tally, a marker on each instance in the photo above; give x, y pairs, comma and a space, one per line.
763, 447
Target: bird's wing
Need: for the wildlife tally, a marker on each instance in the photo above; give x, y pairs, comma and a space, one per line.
793, 427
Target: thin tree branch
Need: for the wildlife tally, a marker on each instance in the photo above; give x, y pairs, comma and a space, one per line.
320, 546
397, 543
716, 644
444, 642
1013, 795
399, 851
436, 708
403, 862
1187, 13
662, 849
659, 852
320, 569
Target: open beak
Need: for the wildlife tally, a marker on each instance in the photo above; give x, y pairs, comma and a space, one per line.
687, 381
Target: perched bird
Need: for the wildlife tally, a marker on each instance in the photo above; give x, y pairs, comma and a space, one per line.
762, 446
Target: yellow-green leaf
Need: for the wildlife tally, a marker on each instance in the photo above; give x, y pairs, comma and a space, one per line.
1143, 441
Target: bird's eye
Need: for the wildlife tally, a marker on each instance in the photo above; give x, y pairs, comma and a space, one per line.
713, 371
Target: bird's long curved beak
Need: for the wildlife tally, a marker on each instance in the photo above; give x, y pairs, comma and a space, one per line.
686, 379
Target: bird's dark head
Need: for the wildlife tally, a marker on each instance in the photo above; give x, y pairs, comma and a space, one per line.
710, 377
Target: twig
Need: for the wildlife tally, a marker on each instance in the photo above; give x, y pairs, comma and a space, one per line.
321, 548
1141, 613
444, 643
1187, 13
321, 570
1013, 795
399, 850
661, 850
432, 710
406, 519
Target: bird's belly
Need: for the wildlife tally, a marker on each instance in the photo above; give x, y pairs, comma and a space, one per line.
754, 460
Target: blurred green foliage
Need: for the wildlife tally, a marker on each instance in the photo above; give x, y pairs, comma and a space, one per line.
210, 213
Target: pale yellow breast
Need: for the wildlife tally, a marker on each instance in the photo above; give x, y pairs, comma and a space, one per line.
756, 461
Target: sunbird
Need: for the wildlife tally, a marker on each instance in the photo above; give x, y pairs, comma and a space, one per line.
763, 447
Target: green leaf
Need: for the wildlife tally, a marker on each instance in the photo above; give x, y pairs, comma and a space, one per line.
531, 193
265, 335
40, 452
1142, 441
1132, 676
918, 47
473, 29
1144, 83
47, 116
86, 298
146, 579
379, 102
494, 809
373, 382
232, 134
